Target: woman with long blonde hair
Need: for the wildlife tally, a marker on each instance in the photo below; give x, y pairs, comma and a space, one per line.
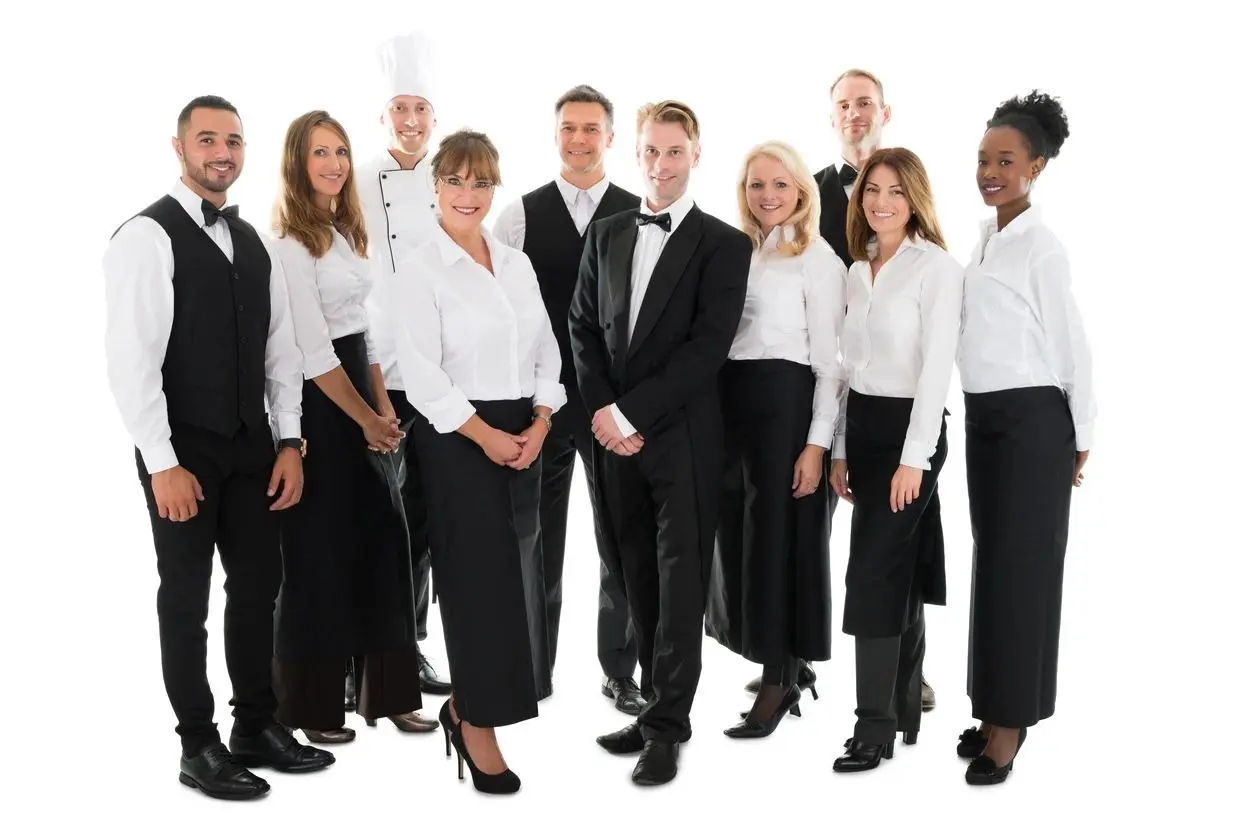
346, 598
770, 594
897, 355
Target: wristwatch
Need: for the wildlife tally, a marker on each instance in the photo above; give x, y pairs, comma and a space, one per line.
548, 422
296, 444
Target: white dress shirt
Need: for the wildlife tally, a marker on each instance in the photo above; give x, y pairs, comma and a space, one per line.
901, 338
794, 310
511, 225
650, 241
400, 209
328, 299
139, 304
465, 334
1021, 326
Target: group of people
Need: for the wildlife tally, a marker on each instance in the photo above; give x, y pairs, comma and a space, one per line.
382, 401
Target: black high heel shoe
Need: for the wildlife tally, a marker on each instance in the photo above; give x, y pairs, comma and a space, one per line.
787, 706
861, 756
497, 783
971, 743
984, 771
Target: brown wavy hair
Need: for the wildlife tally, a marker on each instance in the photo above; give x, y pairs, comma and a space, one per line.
918, 191
295, 213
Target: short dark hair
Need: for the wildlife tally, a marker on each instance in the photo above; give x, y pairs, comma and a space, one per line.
586, 93
212, 102
1039, 118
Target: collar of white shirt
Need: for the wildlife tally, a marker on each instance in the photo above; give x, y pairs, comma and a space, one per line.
570, 192
190, 201
451, 252
789, 233
917, 242
1026, 219
678, 210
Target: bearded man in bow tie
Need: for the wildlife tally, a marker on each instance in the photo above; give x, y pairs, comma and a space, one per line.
658, 300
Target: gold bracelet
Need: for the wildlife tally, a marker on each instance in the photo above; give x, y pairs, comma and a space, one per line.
548, 422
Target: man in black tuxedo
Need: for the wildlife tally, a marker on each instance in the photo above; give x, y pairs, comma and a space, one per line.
658, 300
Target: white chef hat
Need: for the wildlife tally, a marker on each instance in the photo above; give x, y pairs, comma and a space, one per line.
406, 67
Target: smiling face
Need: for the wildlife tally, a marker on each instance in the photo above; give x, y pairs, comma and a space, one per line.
327, 164
884, 201
858, 115
212, 149
667, 157
464, 199
409, 120
583, 135
770, 191
1005, 169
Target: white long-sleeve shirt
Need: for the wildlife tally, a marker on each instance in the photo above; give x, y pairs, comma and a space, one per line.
901, 338
1021, 326
463, 333
139, 303
795, 310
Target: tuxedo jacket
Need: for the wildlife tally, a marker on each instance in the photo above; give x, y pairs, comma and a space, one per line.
834, 211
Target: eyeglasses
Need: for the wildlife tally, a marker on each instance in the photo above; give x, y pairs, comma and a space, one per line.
454, 182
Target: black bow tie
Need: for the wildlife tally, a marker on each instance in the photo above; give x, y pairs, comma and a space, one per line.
848, 174
212, 213
663, 220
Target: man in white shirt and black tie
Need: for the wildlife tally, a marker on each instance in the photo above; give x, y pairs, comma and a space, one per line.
198, 341
395, 191
549, 224
658, 301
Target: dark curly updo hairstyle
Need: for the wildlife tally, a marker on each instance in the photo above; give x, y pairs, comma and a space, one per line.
1039, 117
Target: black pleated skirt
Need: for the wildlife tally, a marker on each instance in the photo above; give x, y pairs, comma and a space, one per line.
483, 521
1020, 465
347, 590
896, 560
770, 589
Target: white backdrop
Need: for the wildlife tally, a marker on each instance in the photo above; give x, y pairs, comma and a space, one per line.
1146, 195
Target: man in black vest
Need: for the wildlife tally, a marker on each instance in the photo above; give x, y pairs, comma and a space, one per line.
198, 340
550, 225
659, 298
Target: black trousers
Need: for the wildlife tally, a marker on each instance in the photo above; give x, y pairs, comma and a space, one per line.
416, 518
890, 683
616, 641
652, 501
234, 474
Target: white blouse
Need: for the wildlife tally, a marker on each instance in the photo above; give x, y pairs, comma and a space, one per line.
328, 299
901, 337
465, 334
794, 310
1021, 326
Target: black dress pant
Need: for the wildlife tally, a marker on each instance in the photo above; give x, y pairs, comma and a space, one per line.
234, 517
652, 501
890, 683
416, 518
616, 641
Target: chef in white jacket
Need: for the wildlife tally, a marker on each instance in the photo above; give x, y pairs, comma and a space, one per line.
396, 194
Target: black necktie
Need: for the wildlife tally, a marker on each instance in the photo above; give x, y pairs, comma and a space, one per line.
663, 220
848, 174
212, 213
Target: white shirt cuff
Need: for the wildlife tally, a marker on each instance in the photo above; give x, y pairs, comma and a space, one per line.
450, 412
159, 457
838, 447
916, 455
624, 426
821, 433
1084, 436
288, 424
549, 394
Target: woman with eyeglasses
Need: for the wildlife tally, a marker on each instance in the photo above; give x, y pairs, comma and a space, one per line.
481, 364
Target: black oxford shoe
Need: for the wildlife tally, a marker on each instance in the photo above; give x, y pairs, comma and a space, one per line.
658, 764
429, 679
627, 740
214, 772
626, 695
275, 747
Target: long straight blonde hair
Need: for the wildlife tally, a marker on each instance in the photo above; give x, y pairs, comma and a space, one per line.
295, 213
804, 220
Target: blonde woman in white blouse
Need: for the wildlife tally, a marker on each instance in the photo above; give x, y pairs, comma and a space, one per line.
1027, 379
481, 365
770, 595
898, 348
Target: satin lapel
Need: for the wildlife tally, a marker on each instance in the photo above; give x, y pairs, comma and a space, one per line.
621, 248
670, 267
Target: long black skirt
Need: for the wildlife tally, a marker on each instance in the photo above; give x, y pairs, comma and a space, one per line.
896, 559
483, 520
347, 591
1020, 465
770, 592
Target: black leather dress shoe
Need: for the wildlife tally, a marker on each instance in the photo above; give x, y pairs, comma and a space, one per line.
214, 772
658, 764
625, 741
860, 756
626, 695
275, 747
806, 678
429, 679
929, 696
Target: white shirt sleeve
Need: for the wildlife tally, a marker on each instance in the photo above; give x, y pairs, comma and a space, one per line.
940, 302
842, 376
139, 304
825, 315
283, 358
1066, 341
624, 426
415, 322
511, 225
313, 335
549, 390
